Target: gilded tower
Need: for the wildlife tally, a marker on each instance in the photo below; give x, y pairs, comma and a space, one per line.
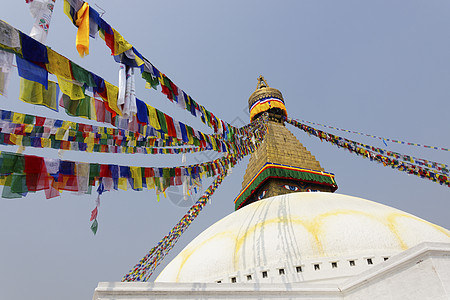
281, 164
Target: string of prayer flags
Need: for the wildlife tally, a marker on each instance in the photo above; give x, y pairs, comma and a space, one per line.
381, 138
125, 53
108, 111
21, 174
46, 132
144, 269
440, 167
422, 172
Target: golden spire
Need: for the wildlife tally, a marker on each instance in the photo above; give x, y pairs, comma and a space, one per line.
281, 164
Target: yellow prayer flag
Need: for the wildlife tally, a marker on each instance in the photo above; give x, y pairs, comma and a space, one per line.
13, 138
18, 118
45, 143
29, 128
82, 21
122, 183
120, 44
136, 174
150, 183
35, 93
65, 125
153, 117
72, 125
67, 9
75, 92
19, 139
139, 61
112, 92
58, 65
60, 134
93, 115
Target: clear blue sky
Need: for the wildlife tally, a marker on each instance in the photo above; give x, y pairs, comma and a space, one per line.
380, 67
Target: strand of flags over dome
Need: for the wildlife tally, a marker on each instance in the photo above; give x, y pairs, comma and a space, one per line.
89, 23
433, 172
379, 137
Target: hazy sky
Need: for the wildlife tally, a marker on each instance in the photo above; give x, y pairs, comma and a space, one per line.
379, 67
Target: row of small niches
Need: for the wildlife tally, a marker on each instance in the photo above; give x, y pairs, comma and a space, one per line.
299, 269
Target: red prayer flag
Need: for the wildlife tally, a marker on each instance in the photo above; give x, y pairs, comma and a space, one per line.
170, 126
94, 214
40, 121
105, 171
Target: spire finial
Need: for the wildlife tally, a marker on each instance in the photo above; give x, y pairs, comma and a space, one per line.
261, 83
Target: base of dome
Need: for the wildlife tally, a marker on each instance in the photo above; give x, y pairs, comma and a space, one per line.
421, 272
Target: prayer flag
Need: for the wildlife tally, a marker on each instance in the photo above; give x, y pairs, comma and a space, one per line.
35, 93
58, 65
30, 71
82, 22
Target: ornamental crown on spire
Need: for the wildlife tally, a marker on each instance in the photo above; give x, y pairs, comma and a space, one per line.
266, 99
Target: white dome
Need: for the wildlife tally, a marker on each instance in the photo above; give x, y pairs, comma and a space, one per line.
299, 237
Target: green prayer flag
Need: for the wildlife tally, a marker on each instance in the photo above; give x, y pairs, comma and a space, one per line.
12, 163
153, 81
19, 184
94, 226
82, 75
162, 121
84, 107
94, 170
7, 190
29, 119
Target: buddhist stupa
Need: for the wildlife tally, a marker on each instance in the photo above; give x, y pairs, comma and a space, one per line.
293, 237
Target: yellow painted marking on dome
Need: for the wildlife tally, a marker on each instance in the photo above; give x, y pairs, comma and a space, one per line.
394, 216
393, 227
188, 251
311, 226
385, 220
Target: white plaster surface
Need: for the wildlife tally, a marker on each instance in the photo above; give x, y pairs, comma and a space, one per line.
300, 230
422, 272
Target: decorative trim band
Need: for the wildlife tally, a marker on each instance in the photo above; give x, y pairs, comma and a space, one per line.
272, 170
